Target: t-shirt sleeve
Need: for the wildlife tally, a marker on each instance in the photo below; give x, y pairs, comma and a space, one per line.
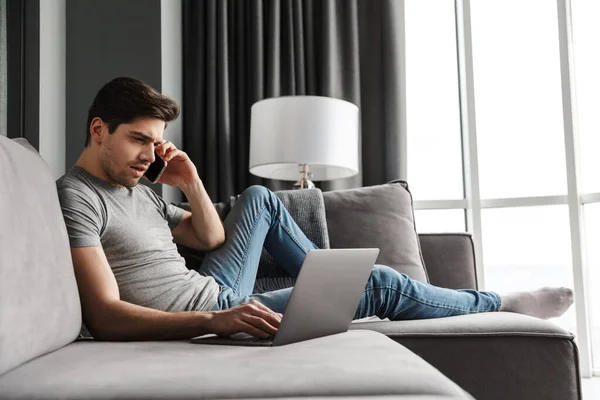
82, 218
172, 214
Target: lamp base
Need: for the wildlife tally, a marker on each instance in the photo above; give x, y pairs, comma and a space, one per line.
305, 174
304, 184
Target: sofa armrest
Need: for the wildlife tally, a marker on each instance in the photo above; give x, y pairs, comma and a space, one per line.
449, 259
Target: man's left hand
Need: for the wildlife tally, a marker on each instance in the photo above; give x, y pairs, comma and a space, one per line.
180, 169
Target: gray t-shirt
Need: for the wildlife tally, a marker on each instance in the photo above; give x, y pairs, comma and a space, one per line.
133, 226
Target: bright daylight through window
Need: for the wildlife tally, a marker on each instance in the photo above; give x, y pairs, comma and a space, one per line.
586, 31
526, 243
433, 119
518, 98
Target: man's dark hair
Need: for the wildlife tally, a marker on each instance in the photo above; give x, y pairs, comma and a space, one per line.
123, 100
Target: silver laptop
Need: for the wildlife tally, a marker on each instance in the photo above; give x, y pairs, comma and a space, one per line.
323, 301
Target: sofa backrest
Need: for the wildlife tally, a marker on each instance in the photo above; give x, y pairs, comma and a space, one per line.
373, 216
39, 303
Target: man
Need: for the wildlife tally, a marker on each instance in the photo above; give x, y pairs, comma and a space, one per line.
134, 285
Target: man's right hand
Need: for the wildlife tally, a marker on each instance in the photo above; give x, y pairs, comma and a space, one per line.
253, 318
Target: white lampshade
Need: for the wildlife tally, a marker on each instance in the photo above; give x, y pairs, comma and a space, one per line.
292, 130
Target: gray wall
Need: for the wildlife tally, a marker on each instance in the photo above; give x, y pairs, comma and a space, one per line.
107, 39
84, 44
52, 76
172, 77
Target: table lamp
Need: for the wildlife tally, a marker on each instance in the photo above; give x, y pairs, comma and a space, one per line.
303, 137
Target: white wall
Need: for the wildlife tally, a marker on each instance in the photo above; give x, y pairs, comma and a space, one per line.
171, 76
53, 84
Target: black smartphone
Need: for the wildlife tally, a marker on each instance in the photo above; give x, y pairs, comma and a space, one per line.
155, 169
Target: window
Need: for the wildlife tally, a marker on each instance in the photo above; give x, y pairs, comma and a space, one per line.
592, 234
525, 238
437, 221
432, 106
518, 105
586, 31
525, 248
585, 14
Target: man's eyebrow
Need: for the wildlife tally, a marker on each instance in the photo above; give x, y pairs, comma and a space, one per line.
147, 137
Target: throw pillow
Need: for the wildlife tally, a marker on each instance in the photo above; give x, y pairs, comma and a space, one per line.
377, 216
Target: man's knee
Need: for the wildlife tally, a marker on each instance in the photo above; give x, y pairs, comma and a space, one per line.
257, 191
386, 276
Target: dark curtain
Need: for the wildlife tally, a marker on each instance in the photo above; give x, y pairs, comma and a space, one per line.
3, 59
23, 70
237, 52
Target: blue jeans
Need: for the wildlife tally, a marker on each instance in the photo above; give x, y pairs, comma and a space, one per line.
259, 218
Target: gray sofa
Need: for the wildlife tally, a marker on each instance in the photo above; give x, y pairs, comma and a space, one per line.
483, 356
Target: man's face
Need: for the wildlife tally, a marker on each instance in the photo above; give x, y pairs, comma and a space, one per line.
129, 150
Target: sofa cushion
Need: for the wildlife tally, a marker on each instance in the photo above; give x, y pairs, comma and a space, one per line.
358, 363
39, 302
377, 216
502, 355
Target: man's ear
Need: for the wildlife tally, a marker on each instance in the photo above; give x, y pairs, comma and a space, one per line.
98, 129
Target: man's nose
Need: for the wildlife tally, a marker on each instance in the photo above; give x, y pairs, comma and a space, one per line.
148, 155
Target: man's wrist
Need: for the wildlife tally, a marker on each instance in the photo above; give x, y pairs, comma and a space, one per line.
194, 185
205, 322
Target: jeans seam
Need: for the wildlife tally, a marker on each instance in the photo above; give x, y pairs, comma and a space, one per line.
419, 301
284, 227
247, 248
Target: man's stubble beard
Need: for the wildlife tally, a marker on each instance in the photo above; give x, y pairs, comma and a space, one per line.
109, 166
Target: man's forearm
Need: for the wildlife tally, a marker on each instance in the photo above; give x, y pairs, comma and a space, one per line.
205, 219
122, 321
